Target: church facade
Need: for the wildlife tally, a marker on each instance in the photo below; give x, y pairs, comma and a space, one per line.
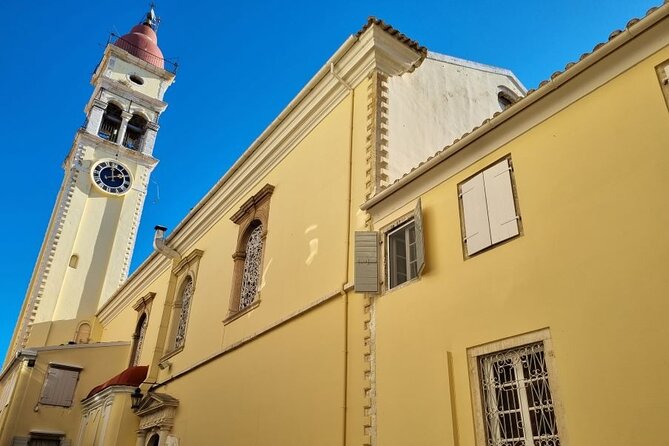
416, 251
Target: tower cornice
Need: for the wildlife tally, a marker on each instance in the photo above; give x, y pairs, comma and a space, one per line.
124, 91
112, 149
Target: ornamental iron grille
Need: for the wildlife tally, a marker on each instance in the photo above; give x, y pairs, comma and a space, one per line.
141, 332
517, 401
251, 275
186, 297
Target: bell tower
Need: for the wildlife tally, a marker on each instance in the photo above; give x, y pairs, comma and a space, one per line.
88, 245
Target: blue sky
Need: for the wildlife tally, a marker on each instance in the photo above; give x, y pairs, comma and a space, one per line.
240, 65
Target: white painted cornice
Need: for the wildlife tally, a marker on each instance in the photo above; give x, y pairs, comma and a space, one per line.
128, 93
113, 149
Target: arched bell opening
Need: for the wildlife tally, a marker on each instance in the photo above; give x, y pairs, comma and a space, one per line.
111, 123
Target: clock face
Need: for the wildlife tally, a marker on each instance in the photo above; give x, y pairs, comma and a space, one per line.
112, 177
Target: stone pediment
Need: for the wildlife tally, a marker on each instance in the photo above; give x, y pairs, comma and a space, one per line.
157, 410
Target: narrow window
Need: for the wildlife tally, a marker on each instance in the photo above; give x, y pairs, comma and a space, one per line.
183, 304
135, 132
74, 261
402, 264
251, 218
111, 123
138, 339
252, 266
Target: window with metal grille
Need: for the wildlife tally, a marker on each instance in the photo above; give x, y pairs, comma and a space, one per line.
252, 265
184, 305
402, 262
518, 406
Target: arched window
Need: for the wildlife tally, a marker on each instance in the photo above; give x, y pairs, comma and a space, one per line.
506, 97
154, 440
135, 132
247, 275
252, 265
182, 308
138, 339
111, 123
83, 334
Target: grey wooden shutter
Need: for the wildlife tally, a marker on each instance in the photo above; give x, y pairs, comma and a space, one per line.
59, 386
475, 215
366, 272
420, 244
499, 198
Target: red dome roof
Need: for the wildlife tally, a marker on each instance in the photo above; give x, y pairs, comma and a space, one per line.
142, 42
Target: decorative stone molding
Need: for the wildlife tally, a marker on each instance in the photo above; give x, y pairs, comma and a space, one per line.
252, 214
662, 71
186, 270
157, 410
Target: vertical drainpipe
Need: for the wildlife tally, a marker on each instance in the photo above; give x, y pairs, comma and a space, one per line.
348, 248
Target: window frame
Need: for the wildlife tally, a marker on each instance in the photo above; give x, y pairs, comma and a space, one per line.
404, 227
415, 217
187, 267
474, 354
252, 213
514, 193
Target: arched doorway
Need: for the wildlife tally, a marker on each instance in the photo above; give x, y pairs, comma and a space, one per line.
154, 440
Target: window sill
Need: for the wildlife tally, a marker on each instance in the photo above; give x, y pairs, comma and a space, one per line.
170, 354
401, 285
237, 315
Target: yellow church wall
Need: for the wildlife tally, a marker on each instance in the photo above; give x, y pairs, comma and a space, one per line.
306, 239
285, 388
123, 325
28, 414
589, 266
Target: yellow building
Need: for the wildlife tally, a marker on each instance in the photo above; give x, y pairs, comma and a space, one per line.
372, 271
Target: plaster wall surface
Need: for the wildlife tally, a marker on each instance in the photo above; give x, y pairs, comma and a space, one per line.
439, 101
283, 389
28, 414
119, 70
589, 266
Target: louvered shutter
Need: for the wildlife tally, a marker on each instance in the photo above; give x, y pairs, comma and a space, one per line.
499, 198
475, 214
420, 244
366, 272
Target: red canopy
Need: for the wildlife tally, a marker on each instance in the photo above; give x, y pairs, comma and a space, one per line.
132, 376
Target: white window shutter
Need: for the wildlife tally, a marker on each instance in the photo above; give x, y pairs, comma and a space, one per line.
420, 243
501, 206
475, 214
366, 272
50, 386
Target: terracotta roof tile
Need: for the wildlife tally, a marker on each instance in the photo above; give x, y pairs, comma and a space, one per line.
543, 83
393, 32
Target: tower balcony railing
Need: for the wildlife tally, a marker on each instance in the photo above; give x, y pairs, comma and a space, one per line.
168, 65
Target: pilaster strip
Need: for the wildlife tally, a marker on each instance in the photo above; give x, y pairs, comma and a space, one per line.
50, 246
